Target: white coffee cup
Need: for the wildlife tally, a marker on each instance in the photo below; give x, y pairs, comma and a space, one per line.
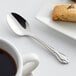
25, 64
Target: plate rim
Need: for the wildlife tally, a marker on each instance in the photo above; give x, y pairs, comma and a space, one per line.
38, 18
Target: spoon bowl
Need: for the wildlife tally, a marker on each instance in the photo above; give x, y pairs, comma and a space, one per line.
20, 27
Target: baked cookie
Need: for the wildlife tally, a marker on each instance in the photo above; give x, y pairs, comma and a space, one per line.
65, 12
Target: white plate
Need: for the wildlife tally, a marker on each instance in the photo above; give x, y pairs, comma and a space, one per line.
44, 16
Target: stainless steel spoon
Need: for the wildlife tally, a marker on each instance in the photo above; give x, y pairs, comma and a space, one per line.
21, 27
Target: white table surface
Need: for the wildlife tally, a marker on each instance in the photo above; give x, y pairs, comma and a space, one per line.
49, 66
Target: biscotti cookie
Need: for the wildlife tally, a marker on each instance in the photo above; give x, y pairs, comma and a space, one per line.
65, 12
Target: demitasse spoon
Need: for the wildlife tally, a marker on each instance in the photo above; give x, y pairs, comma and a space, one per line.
21, 27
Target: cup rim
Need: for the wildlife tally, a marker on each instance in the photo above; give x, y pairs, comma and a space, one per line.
19, 70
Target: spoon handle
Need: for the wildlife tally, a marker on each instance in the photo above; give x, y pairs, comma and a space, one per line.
60, 56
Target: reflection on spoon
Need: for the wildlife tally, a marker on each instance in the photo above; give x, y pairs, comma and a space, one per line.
21, 27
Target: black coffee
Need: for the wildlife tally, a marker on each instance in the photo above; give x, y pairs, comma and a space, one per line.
7, 64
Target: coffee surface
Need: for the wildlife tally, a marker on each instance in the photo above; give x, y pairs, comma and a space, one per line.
7, 64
